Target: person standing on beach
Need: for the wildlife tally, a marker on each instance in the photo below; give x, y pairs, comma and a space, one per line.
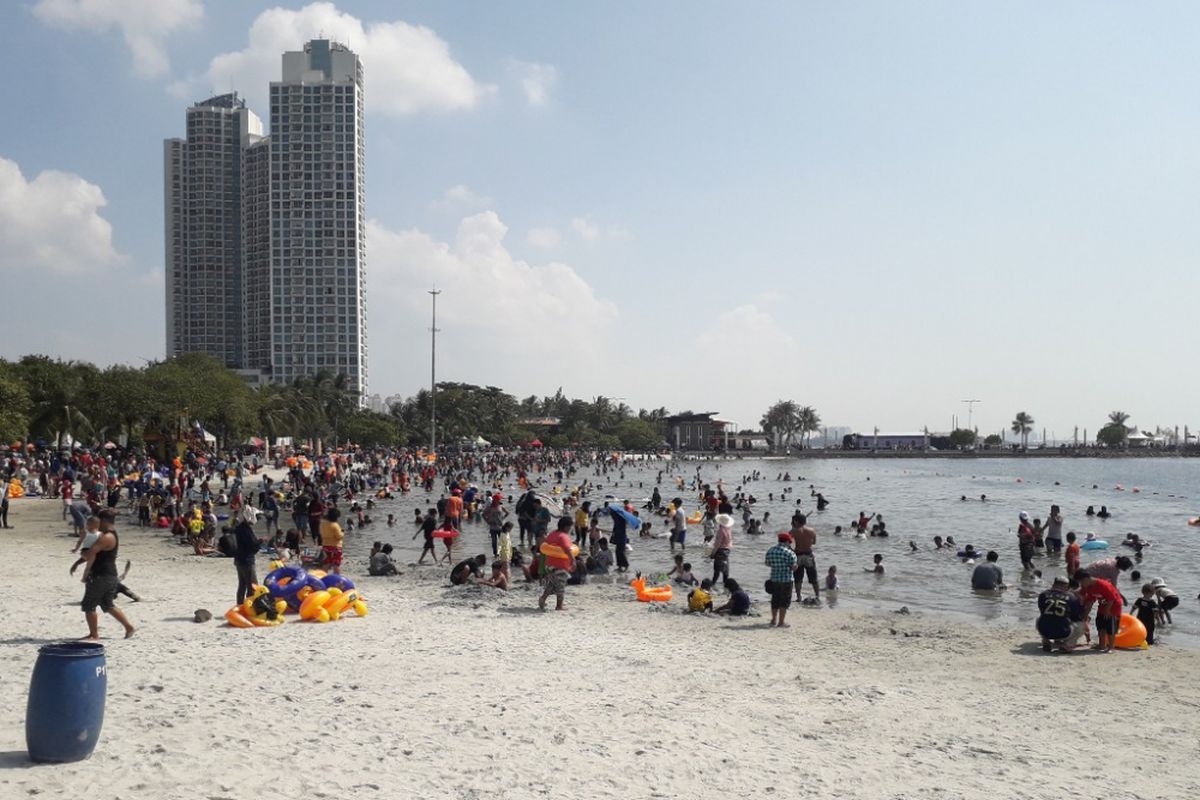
620, 541
678, 525
805, 539
246, 552
101, 579
558, 567
1054, 523
722, 543
332, 538
782, 562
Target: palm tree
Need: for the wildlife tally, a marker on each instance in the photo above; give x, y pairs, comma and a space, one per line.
782, 421
810, 423
1023, 424
1118, 418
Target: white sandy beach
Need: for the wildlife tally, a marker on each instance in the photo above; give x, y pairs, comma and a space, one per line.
469, 693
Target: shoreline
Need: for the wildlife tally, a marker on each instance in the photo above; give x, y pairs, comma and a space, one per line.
465, 692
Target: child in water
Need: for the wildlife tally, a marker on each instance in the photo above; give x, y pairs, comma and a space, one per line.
1146, 609
831, 580
878, 568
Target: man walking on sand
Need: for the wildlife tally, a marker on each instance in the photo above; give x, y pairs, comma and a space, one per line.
558, 567
100, 577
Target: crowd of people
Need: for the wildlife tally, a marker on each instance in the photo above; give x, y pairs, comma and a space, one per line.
549, 521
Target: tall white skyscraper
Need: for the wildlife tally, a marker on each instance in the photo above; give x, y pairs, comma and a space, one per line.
318, 221
266, 235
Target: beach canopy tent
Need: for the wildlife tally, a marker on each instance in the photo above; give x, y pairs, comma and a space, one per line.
536, 443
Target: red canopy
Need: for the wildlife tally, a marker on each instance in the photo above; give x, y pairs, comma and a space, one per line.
536, 443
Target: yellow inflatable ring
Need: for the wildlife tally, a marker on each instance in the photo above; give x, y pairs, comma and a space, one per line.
315, 601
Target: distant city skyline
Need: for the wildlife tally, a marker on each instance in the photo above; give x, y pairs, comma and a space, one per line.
871, 208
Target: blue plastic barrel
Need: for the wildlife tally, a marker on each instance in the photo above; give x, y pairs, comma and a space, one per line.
66, 701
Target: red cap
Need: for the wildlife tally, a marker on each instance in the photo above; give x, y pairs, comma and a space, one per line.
785, 537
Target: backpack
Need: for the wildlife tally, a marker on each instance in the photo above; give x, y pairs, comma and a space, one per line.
227, 544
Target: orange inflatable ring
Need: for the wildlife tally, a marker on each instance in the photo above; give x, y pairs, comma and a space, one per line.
338, 602
553, 551
234, 617
653, 594
442, 533
1132, 633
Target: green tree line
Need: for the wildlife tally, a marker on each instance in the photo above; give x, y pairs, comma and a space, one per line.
56, 401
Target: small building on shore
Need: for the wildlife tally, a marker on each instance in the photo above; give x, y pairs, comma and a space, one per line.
887, 441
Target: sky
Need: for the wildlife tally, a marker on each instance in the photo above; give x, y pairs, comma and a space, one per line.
878, 209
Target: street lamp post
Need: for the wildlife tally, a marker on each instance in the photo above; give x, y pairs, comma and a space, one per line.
433, 332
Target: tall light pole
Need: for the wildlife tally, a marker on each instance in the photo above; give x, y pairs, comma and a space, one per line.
433, 332
970, 413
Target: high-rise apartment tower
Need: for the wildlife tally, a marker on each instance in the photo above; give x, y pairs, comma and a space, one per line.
266, 261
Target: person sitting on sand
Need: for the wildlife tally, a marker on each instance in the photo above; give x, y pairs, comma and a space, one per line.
465, 570
685, 576
700, 600
382, 564
579, 575
677, 567
738, 604
603, 558
499, 579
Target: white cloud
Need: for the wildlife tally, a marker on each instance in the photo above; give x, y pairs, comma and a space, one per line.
497, 313
460, 198
585, 228
145, 24
545, 238
749, 342
537, 80
407, 68
52, 222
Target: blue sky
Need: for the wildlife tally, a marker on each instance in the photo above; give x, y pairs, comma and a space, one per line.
878, 209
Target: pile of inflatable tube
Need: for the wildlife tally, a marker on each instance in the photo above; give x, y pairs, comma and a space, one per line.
650, 594
314, 595
15, 489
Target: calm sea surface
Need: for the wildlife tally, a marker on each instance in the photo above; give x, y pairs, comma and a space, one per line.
918, 499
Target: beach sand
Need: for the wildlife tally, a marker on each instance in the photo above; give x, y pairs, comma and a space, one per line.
468, 692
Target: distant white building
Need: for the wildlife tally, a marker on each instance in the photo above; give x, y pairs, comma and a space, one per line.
891, 441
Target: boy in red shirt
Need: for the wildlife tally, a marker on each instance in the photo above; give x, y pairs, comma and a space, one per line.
1072, 555
1108, 613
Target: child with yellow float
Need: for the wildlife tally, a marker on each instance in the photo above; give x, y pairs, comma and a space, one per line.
315, 595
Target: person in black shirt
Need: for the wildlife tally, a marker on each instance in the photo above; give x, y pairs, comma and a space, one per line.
100, 577
1061, 618
428, 524
465, 570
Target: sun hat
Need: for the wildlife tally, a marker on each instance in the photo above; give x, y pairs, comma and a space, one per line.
725, 521
1023, 516
1157, 583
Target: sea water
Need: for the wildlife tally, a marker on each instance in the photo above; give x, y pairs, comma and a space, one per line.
918, 499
